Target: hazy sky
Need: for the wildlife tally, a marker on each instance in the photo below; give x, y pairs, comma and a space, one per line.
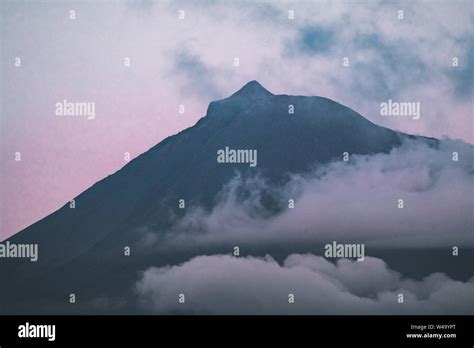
190, 61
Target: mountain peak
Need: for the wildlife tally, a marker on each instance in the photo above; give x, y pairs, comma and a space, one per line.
252, 88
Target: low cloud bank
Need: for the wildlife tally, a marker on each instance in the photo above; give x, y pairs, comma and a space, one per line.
223, 284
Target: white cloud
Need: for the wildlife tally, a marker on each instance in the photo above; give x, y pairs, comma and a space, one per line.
221, 284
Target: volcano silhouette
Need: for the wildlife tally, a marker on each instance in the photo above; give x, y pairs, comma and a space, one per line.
81, 250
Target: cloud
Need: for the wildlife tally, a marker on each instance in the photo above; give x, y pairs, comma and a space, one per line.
382, 68
315, 40
222, 284
355, 202
197, 76
145, 6
463, 78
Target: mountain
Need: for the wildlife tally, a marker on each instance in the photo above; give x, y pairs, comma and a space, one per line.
81, 250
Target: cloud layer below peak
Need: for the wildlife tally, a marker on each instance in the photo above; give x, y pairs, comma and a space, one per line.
223, 284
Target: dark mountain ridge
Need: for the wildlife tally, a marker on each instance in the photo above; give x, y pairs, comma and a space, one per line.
82, 248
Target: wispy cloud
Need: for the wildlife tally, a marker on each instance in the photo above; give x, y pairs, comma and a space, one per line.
315, 40
355, 201
197, 77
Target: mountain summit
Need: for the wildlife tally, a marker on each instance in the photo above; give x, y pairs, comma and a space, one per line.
84, 247
252, 89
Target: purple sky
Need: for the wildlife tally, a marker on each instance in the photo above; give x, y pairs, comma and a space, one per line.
190, 62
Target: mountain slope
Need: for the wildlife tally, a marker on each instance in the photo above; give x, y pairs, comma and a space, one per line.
82, 248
